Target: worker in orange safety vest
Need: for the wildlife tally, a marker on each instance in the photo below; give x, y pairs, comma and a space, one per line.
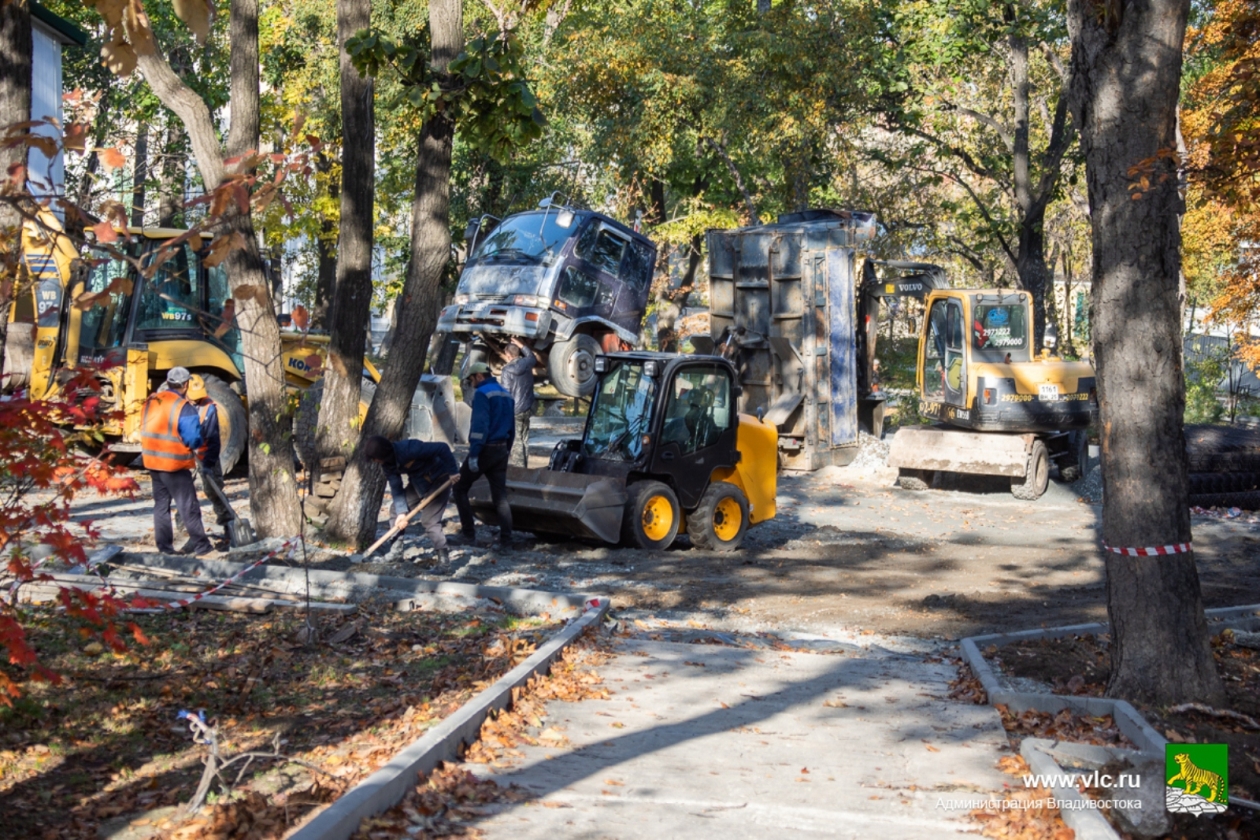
170, 433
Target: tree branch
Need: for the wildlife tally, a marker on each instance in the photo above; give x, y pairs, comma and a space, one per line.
192, 111
1004, 132
739, 179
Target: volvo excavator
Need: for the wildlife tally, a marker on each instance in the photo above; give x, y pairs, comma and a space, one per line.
1001, 407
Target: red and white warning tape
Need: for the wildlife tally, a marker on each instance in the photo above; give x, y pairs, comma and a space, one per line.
1178, 548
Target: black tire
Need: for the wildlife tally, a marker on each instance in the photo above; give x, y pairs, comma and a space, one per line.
233, 422
307, 420
1072, 463
644, 524
571, 365
720, 521
917, 480
1033, 483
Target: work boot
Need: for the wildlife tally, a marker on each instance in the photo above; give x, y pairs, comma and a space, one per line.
463, 538
505, 542
187, 548
443, 556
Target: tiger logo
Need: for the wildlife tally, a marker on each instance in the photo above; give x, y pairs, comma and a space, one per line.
1195, 778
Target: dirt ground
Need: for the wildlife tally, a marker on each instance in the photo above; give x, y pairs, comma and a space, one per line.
848, 552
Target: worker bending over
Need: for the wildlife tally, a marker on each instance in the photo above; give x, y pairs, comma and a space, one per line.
427, 466
489, 441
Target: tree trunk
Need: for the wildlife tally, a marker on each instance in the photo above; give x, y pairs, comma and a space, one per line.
140, 175
326, 249
354, 512
15, 106
337, 429
174, 176
1126, 70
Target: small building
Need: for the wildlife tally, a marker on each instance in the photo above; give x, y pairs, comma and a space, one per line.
49, 34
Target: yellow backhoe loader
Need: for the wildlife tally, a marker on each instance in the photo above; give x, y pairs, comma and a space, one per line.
134, 326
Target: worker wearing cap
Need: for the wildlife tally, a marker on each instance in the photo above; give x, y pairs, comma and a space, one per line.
427, 467
518, 380
211, 446
490, 438
170, 434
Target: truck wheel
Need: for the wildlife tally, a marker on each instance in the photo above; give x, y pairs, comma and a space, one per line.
1072, 464
718, 523
652, 516
233, 422
571, 365
916, 480
1033, 484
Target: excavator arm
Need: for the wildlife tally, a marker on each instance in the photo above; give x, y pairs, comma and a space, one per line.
884, 279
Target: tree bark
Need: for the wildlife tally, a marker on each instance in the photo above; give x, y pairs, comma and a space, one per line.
273, 499
355, 509
15, 106
326, 250
337, 429
1126, 70
174, 175
140, 175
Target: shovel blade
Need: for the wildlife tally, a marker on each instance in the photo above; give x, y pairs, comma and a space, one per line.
240, 533
550, 502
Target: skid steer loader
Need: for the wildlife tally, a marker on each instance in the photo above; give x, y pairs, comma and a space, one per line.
664, 451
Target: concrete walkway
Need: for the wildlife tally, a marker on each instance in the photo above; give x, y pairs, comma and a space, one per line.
703, 741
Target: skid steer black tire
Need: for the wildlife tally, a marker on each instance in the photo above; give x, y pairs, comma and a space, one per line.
1072, 463
720, 521
652, 516
917, 480
233, 422
1033, 483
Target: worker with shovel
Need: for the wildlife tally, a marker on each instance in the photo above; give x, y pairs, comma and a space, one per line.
428, 466
208, 453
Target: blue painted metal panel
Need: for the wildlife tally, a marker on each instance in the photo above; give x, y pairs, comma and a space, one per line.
843, 337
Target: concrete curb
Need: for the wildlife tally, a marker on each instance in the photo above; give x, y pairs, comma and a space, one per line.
1127, 718
1088, 823
387, 786
326, 584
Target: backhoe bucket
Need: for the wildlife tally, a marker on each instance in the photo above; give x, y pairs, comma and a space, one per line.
550, 502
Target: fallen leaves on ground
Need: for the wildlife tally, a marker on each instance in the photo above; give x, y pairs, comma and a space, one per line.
107, 744
440, 806
1065, 725
1024, 813
967, 688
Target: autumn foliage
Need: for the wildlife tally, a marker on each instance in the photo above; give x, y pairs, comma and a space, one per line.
1221, 125
40, 476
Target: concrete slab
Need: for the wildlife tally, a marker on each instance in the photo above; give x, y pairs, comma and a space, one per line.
705, 741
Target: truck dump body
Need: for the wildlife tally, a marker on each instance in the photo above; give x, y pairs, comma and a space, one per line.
784, 295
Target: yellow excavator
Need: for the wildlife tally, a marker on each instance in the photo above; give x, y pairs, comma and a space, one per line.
134, 326
1001, 407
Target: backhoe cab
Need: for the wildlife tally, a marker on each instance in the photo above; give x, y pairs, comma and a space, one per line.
664, 450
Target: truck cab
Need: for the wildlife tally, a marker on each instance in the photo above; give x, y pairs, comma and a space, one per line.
572, 283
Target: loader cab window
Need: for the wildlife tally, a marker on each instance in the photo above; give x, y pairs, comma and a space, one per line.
621, 414
699, 408
934, 353
171, 298
999, 328
222, 320
106, 301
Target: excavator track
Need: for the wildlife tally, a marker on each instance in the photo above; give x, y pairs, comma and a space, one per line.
1224, 464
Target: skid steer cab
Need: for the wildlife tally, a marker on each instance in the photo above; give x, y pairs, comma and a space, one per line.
664, 451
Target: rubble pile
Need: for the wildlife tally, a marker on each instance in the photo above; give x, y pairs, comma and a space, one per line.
1090, 488
872, 453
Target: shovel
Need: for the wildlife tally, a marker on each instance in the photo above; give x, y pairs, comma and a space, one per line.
392, 532
239, 531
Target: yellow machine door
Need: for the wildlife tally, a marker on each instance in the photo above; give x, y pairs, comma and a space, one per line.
944, 362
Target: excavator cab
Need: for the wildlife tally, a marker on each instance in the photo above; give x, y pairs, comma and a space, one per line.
664, 450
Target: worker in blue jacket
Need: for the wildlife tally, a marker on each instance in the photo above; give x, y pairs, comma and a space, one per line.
490, 439
427, 466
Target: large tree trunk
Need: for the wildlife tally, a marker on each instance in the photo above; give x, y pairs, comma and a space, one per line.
174, 176
326, 251
355, 509
15, 107
1126, 70
337, 430
273, 502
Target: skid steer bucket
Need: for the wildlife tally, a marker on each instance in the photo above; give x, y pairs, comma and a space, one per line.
550, 502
